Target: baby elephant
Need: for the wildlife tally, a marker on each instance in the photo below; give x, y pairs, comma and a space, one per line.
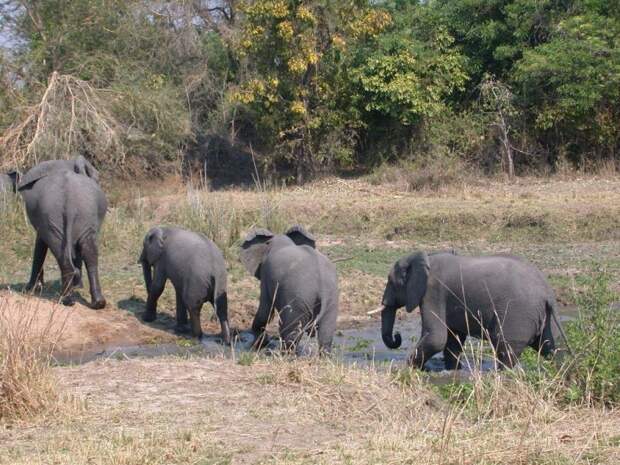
197, 270
500, 297
297, 281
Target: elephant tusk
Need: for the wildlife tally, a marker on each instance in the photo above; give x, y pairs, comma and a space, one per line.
376, 310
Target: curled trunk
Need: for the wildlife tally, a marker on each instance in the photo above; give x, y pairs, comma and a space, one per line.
388, 315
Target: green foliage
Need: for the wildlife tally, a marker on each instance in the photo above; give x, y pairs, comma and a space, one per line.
317, 85
594, 375
407, 73
572, 82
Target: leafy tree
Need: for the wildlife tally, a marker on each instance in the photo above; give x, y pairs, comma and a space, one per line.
571, 84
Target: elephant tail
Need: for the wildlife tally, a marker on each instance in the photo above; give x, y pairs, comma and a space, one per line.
67, 249
552, 313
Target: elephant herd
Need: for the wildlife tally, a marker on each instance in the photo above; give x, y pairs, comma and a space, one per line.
501, 298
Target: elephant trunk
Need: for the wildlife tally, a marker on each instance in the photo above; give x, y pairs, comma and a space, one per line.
146, 270
388, 315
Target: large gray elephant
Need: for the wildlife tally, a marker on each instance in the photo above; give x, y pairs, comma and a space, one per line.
297, 281
9, 181
196, 267
66, 210
500, 297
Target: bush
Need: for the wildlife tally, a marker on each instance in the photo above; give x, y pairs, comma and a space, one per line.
425, 173
593, 376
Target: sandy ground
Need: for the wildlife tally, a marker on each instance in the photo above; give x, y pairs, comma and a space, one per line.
77, 329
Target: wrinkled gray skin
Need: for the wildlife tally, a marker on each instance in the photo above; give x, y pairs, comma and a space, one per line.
297, 281
500, 297
197, 270
66, 208
9, 181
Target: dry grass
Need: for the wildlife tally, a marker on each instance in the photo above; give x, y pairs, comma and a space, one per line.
27, 385
173, 411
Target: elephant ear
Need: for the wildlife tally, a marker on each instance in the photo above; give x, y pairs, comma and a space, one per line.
153, 245
254, 249
83, 166
35, 173
300, 236
417, 268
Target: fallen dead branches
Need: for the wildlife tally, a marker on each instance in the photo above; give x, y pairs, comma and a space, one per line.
72, 117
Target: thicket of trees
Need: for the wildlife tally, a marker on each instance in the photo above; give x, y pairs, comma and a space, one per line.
312, 85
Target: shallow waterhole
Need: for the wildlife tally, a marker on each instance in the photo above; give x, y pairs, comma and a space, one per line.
359, 346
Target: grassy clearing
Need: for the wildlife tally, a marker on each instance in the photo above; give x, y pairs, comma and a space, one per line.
27, 384
566, 227
272, 410
281, 411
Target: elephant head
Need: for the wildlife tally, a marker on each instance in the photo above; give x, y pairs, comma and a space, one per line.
406, 287
152, 249
80, 165
259, 242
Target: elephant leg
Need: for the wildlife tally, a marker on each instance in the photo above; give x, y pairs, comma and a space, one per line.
431, 343
507, 353
194, 318
66, 272
293, 323
544, 344
181, 310
453, 350
327, 327
263, 315
88, 249
221, 308
154, 292
38, 258
77, 263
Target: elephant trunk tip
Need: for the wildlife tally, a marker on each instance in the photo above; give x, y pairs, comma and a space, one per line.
392, 342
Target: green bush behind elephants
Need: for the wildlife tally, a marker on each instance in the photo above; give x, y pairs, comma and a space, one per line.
313, 85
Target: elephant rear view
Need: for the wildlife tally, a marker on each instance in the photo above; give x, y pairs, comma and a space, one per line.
66, 209
297, 281
197, 270
501, 297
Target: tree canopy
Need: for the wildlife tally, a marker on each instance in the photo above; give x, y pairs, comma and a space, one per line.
311, 85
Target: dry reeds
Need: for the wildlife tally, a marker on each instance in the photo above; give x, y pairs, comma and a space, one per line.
27, 386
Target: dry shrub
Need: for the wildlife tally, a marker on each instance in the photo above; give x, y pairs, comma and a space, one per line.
27, 385
72, 117
432, 174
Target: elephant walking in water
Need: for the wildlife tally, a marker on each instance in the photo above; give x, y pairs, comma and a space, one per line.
196, 267
297, 281
66, 207
501, 297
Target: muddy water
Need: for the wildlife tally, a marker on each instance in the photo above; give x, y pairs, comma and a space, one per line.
360, 346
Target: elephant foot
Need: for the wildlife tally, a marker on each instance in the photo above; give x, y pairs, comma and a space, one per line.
98, 304
149, 316
68, 301
33, 287
182, 329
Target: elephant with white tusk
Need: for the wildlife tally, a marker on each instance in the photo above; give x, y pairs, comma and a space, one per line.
500, 297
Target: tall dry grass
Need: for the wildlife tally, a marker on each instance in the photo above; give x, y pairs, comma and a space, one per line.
27, 384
